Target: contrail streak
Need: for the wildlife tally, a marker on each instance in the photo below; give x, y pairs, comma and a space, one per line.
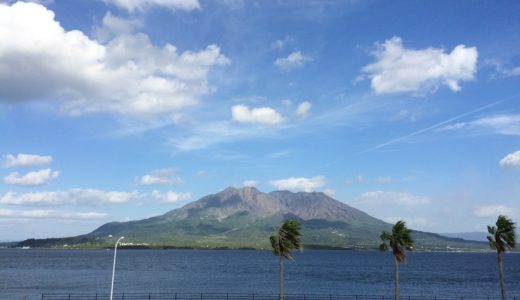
441, 123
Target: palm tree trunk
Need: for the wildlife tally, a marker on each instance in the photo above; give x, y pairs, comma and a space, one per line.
501, 274
281, 277
396, 280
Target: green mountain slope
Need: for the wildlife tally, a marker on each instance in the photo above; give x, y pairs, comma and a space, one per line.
238, 218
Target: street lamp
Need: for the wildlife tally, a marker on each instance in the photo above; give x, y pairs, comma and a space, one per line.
114, 267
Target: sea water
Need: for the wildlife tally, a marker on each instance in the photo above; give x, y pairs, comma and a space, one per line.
26, 274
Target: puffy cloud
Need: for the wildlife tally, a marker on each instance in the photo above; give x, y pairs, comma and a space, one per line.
50, 214
492, 211
171, 197
32, 178
113, 26
398, 69
511, 160
500, 124
161, 177
399, 198
69, 197
303, 109
262, 115
299, 183
293, 60
127, 75
26, 160
140, 5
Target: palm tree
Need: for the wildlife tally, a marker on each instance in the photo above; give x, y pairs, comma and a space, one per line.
399, 240
285, 239
502, 237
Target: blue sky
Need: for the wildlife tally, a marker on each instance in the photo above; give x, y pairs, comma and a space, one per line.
116, 110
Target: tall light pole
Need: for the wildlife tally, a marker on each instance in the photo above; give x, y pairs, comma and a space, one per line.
114, 267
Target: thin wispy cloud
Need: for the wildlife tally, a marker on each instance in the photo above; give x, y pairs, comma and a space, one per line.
505, 124
441, 124
140, 5
81, 197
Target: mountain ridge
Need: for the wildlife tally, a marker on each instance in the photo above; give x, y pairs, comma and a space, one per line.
246, 217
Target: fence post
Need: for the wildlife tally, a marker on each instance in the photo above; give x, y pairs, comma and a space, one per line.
123, 296
42, 296
175, 296
69, 296
149, 295
200, 296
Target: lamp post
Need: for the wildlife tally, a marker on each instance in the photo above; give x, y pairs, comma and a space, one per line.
114, 267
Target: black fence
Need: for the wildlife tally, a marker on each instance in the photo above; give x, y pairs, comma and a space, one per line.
250, 296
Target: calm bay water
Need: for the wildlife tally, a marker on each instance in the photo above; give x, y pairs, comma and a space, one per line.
28, 273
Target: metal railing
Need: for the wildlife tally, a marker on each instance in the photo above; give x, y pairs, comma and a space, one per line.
248, 296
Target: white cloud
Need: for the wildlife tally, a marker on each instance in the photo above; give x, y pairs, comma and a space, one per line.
503, 70
128, 75
263, 115
303, 109
26, 160
69, 197
171, 197
161, 177
398, 69
50, 214
280, 44
499, 124
399, 198
293, 60
492, 211
511, 160
250, 183
113, 26
299, 183
140, 5
32, 178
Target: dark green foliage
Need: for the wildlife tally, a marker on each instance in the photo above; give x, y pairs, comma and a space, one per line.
399, 240
502, 236
286, 239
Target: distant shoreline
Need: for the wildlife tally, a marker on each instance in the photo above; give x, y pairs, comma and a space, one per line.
311, 248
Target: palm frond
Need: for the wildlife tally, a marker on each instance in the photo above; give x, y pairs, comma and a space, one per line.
399, 240
286, 239
502, 236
